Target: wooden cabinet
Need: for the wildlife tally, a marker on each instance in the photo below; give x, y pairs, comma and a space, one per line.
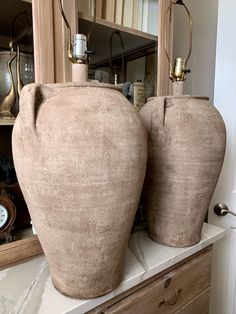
183, 289
199, 305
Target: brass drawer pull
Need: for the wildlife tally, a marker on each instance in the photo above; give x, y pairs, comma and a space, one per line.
173, 300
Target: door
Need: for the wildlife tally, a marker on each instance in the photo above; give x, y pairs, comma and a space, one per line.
223, 292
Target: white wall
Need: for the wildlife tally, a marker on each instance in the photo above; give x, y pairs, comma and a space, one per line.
202, 62
223, 292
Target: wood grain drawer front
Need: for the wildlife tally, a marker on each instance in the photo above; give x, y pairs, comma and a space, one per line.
160, 297
199, 305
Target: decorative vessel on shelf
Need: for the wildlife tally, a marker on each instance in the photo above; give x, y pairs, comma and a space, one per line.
186, 149
80, 153
80, 157
185, 155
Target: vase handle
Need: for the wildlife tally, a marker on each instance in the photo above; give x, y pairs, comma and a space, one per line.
32, 97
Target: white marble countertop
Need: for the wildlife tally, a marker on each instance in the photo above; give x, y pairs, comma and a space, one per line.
27, 288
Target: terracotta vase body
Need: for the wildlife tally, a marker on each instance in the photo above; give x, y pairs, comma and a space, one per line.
186, 147
80, 157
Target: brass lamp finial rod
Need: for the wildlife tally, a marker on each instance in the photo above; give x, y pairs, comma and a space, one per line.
69, 40
65, 20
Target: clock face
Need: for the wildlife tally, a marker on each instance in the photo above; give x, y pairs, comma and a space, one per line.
3, 216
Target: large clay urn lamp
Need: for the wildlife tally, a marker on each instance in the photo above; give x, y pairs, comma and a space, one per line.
80, 154
186, 149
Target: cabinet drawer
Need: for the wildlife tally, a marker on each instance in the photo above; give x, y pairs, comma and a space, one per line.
198, 305
169, 293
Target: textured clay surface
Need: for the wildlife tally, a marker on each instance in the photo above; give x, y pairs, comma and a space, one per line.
80, 154
186, 146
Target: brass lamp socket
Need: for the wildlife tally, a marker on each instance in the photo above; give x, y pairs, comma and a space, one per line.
179, 73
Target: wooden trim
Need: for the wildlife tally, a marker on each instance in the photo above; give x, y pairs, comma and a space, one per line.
122, 12
63, 67
110, 10
20, 250
7, 121
199, 305
103, 9
60, 41
42, 12
50, 40
163, 81
99, 9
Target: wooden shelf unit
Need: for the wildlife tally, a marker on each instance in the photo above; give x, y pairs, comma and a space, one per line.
6, 122
119, 27
23, 248
50, 29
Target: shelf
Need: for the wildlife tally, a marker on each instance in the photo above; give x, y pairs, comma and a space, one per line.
26, 246
134, 41
122, 28
7, 121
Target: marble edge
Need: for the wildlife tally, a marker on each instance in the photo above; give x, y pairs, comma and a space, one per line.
90, 304
154, 270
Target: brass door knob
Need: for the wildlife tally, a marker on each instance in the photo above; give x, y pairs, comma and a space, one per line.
221, 209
